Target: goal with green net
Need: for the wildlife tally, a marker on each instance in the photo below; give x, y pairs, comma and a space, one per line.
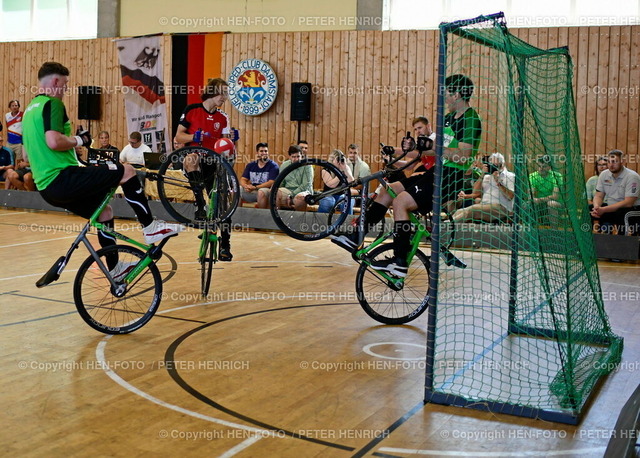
522, 329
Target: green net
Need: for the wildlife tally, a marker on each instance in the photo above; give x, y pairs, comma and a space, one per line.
522, 329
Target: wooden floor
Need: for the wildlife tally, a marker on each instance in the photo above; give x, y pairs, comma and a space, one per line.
279, 360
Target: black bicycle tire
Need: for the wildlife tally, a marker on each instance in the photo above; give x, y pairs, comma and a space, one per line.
206, 265
164, 182
83, 308
384, 316
277, 213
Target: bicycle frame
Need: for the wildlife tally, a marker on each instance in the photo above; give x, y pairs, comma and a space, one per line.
153, 252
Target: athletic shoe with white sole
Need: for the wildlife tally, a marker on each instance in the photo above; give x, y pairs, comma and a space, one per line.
392, 265
121, 270
347, 241
159, 230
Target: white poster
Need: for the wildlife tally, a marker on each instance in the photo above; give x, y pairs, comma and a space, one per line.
143, 88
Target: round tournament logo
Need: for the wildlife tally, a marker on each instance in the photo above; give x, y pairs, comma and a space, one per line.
252, 87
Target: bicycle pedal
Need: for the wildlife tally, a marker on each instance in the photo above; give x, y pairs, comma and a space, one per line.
53, 273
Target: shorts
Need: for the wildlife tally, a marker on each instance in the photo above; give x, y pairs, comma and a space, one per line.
22, 172
81, 190
420, 187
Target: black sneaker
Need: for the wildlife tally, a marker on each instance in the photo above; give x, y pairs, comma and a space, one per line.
347, 241
224, 254
394, 266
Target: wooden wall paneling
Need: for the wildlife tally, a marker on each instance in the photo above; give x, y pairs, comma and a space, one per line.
365, 71
323, 121
399, 86
632, 140
358, 79
394, 90
431, 75
590, 129
313, 63
603, 84
613, 95
580, 36
384, 99
348, 126
373, 99
320, 97
337, 102
621, 124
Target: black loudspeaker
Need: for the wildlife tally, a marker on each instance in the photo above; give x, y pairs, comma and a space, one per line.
301, 101
89, 102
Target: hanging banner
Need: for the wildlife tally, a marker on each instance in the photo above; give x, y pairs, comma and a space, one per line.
143, 88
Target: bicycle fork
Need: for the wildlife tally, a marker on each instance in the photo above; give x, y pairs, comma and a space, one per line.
56, 269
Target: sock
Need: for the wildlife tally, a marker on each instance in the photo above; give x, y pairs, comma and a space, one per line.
195, 176
402, 239
374, 215
106, 240
225, 234
134, 194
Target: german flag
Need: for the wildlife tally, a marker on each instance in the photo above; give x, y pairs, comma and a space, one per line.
196, 58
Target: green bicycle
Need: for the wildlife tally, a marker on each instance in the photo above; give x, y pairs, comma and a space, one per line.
206, 199
383, 296
113, 303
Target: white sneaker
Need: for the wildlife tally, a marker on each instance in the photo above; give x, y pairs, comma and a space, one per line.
159, 230
121, 270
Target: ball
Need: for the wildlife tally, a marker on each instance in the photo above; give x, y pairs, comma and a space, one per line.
225, 148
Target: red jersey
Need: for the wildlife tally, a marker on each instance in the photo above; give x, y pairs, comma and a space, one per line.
214, 123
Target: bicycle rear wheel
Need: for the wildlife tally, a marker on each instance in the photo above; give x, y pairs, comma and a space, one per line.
387, 303
207, 259
187, 196
108, 312
297, 215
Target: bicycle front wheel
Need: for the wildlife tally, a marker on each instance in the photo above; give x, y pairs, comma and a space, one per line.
190, 178
310, 214
105, 310
386, 302
207, 258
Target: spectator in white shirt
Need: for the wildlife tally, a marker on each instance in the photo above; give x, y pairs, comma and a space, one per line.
133, 153
496, 192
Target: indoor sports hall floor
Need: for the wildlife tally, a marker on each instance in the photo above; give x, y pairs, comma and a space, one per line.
279, 360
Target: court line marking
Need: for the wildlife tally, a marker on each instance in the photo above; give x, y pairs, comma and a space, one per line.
100, 356
490, 454
37, 241
240, 447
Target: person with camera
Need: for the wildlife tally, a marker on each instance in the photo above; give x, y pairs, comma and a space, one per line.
495, 190
330, 181
57, 176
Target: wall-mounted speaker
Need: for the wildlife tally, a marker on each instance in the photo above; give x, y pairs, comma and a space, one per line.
89, 102
301, 101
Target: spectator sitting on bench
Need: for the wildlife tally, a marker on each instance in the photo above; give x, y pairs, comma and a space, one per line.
496, 190
258, 177
602, 164
21, 177
546, 185
617, 193
7, 162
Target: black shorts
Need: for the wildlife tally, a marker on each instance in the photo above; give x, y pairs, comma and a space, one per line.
420, 187
22, 172
81, 190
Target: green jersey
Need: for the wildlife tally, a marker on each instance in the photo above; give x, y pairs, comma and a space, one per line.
544, 186
46, 113
465, 129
